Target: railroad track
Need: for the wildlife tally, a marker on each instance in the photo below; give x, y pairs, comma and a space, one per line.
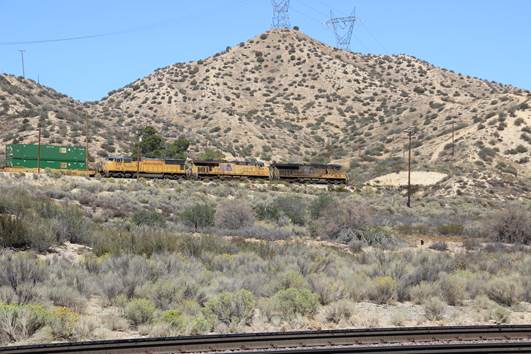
470, 339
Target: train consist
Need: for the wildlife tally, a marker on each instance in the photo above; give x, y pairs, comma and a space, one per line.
196, 169
71, 160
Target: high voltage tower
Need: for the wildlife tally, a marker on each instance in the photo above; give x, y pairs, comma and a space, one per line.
343, 28
280, 13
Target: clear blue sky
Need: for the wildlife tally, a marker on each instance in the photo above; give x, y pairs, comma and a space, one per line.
488, 39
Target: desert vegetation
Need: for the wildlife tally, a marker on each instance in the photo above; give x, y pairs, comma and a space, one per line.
85, 259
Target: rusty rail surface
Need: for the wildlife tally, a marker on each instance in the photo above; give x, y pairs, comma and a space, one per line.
471, 339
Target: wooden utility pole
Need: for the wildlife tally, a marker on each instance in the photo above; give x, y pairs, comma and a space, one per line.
86, 141
39, 151
22, 58
138, 152
409, 132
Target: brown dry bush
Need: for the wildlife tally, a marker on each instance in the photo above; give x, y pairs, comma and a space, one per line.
512, 225
234, 215
342, 216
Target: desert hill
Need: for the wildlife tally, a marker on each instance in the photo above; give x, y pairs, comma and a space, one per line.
285, 96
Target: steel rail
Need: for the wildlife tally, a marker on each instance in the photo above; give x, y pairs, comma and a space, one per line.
276, 342
477, 348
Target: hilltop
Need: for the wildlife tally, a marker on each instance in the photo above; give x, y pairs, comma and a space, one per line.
285, 96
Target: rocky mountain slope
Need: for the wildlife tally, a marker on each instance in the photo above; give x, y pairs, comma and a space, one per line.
285, 96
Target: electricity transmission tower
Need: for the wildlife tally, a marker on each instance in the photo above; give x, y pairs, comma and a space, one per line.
343, 28
280, 13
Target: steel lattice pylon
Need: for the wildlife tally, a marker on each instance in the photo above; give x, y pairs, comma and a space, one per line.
343, 28
280, 13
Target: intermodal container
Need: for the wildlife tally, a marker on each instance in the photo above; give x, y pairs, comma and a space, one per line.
54, 165
48, 152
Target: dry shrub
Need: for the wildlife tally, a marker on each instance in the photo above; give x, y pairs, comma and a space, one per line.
340, 217
423, 291
20, 321
434, 309
327, 288
452, 289
512, 225
383, 290
234, 215
339, 311
232, 309
439, 246
499, 315
503, 291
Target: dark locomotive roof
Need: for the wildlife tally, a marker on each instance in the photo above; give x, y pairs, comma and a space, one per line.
175, 162
295, 166
120, 159
217, 162
207, 162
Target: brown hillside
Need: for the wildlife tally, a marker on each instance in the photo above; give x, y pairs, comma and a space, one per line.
286, 96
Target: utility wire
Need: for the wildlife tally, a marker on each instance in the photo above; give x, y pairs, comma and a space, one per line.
88, 36
308, 16
321, 13
366, 28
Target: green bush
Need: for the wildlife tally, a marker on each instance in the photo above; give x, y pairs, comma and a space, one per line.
320, 204
231, 308
139, 311
149, 218
383, 290
211, 155
18, 322
63, 322
199, 216
291, 302
293, 207
174, 318
13, 232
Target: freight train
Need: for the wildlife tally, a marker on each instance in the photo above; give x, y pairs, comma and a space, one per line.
72, 160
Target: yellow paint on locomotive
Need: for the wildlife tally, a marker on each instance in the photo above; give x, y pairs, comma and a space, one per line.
229, 169
143, 167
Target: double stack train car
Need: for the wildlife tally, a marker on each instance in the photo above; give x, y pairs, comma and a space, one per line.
71, 160
33, 158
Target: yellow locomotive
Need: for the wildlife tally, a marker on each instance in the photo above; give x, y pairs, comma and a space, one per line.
175, 169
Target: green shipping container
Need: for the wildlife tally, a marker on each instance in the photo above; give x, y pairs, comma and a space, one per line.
48, 152
54, 165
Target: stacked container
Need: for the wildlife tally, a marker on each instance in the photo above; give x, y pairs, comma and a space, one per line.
51, 156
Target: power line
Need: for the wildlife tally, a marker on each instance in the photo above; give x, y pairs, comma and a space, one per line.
366, 28
308, 16
88, 36
312, 8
